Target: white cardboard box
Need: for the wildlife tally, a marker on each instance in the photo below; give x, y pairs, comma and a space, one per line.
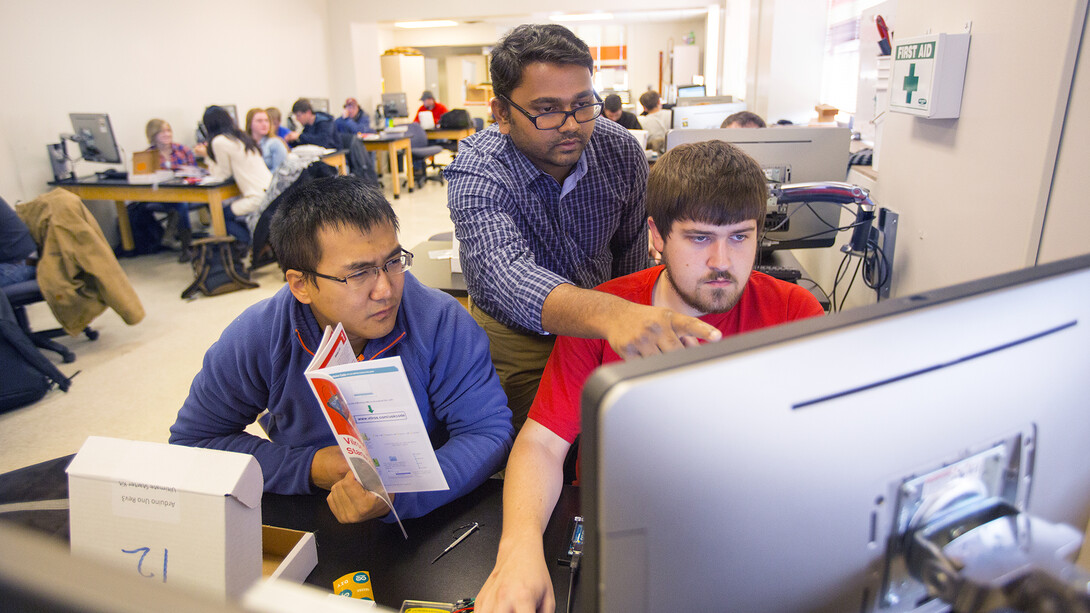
181, 515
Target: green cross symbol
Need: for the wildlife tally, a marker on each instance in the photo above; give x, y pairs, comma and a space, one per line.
912, 82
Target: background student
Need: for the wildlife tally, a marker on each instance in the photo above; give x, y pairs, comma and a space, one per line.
172, 156
273, 149
655, 120
429, 103
353, 120
231, 153
318, 128
274, 121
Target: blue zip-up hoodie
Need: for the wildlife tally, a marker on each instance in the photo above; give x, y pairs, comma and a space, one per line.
258, 363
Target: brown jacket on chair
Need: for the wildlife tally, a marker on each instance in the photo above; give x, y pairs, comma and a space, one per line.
78, 273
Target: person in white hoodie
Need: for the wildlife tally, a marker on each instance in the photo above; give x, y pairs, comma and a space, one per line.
231, 153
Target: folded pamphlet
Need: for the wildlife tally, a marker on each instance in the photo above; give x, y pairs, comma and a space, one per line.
373, 414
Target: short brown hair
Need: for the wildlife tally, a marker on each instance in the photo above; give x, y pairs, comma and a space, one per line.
744, 119
649, 99
710, 182
302, 105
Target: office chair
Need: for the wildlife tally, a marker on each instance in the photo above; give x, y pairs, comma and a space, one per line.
26, 293
423, 154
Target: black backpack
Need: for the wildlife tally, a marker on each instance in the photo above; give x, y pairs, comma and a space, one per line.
217, 268
262, 251
25, 374
455, 119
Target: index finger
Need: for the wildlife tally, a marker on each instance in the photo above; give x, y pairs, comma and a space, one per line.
693, 327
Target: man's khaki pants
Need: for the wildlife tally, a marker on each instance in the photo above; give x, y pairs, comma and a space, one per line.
519, 359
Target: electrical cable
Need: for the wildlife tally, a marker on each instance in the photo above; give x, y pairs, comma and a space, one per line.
822, 220
573, 569
875, 263
837, 278
855, 274
840, 229
819, 288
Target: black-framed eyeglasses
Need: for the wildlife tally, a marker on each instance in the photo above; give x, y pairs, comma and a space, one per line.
366, 277
554, 119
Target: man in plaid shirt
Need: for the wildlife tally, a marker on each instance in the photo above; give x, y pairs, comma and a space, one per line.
547, 204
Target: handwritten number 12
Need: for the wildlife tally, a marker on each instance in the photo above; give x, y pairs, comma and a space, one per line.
144, 551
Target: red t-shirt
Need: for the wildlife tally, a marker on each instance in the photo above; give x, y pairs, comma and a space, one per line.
436, 112
765, 302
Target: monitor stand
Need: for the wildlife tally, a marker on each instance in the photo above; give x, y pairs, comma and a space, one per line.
58, 160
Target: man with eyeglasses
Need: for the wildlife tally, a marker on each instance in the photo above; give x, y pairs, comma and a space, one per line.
707, 205
547, 204
336, 241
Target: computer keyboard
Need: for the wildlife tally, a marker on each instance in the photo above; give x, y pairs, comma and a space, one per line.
783, 273
113, 175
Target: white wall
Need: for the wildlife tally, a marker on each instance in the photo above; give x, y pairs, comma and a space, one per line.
139, 60
645, 42
489, 9
1067, 218
732, 65
787, 41
973, 192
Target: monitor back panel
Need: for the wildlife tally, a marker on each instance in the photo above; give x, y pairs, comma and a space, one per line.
758, 473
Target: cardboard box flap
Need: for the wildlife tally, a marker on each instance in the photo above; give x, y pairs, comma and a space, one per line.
189, 469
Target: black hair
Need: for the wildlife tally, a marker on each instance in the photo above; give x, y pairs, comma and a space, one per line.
332, 202
530, 43
218, 121
301, 105
612, 103
710, 182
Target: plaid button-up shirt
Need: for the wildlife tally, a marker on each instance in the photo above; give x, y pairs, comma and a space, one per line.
522, 234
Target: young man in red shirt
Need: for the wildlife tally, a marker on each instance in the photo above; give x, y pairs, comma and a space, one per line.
706, 203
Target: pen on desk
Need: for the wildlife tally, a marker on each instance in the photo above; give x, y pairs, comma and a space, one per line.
472, 527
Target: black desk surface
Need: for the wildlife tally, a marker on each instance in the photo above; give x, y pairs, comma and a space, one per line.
436, 273
400, 569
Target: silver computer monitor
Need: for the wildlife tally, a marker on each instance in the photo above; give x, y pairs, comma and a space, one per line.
319, 104
789, 154
703, 116
690, 91
773, 471
95, 136
395, 105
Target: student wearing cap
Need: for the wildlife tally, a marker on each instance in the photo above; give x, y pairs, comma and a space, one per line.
429, 103
353, 120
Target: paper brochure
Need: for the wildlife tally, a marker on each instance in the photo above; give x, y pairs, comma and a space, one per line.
372, 411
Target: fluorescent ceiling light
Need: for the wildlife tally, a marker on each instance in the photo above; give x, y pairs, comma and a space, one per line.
437, 23
581, 16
